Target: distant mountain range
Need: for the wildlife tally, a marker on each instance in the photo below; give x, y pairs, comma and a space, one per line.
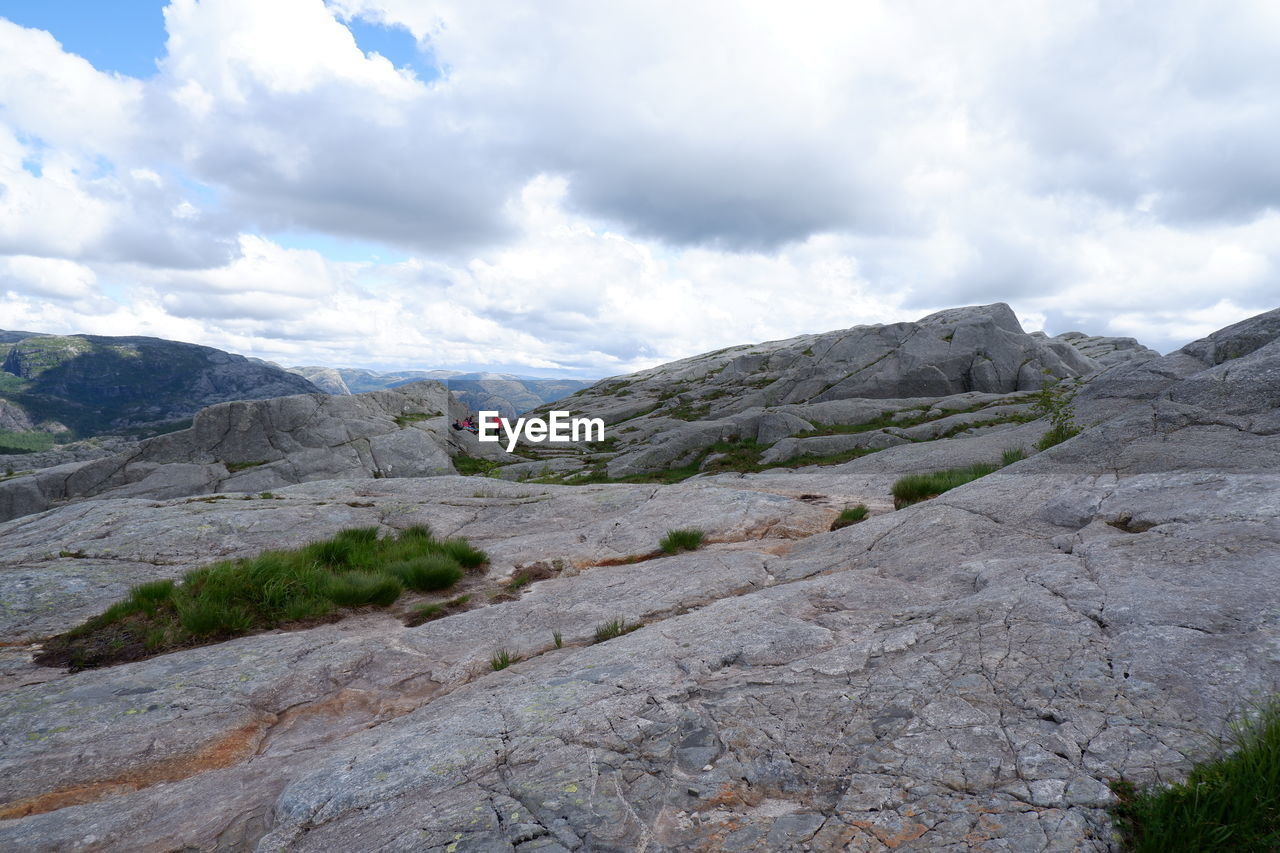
507, 393
65, 386
56, 388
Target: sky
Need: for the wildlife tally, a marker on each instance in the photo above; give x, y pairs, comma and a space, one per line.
576, 188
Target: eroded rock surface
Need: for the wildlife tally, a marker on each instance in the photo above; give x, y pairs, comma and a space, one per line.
261, 445
774, 392
965, 674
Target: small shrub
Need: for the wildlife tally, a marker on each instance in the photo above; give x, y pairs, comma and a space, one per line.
1053, 403
850, 515
681, 540
615, 628
502, 659
1230, 803
558, 639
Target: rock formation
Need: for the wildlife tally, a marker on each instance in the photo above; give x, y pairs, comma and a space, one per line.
968, 673
779, 393
259, 445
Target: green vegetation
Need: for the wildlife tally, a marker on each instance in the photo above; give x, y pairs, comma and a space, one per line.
558, 639
502, 659
738, 454
850, 515
615, 628
437, 610
404, 420
1012, 455
689, 411
1230, 803
1053, 403
805, 460
914, 488
884, 419
681, 540
472, 466
355, 568
233, 467
24, 442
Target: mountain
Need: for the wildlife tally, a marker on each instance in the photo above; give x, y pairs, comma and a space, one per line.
506, 393
90, 384
971, 672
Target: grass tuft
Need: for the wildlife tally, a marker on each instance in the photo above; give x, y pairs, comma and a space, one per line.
914, 488
1230, 803
681, 540
502, 659
850, 515
427, 573
615, 628
1012, 455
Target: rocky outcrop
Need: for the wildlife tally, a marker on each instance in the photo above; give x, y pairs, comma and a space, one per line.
668, 415
96, 384
261, 445
326, 379
77, 451
967, 673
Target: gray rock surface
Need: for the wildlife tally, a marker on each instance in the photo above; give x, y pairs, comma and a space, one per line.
965, 674
971, 357
263, 445
77, 451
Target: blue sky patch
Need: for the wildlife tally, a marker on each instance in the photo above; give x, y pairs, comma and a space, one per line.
126, 36
395, 43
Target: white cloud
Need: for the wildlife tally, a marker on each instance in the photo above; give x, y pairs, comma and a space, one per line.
611, 185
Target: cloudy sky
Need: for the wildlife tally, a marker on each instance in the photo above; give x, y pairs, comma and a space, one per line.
585, 188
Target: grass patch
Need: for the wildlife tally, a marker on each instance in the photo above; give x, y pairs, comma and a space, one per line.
1012, 455
355, 568
502, 659
407, 418
850, 515
1230, 803
615, 628
689, 412
233, 467
681, 540
472, 466
914, 488
437, 610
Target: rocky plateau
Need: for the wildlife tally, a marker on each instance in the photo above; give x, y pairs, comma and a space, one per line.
968, 673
